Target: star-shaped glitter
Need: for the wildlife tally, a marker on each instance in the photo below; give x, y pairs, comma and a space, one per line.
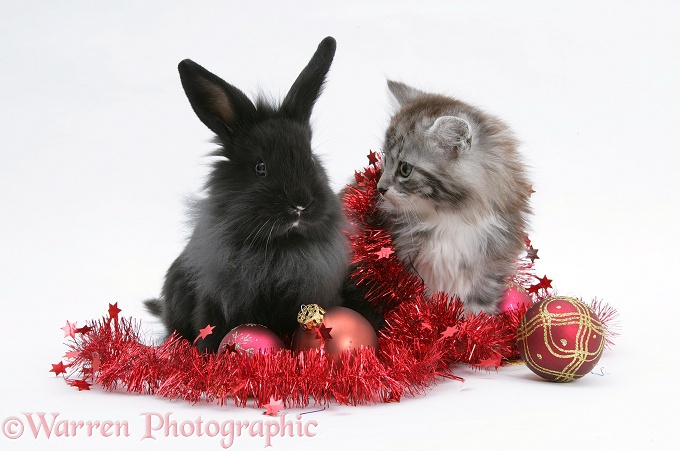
83, 330
493, 361
58, 368
323, 332
543, 283
72, 354
96, 362
359, 177
228, 348
114, 311
532, 254
273, 407
384, 252
69, 330
450, 330
80, 384
372, 158
207, 330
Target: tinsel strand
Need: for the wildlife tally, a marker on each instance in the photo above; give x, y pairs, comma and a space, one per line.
422, 339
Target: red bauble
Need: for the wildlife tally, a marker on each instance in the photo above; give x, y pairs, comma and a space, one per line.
335, 330
514, 297
250, 339
560, 339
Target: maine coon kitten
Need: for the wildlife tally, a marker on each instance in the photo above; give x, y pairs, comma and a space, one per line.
455, 194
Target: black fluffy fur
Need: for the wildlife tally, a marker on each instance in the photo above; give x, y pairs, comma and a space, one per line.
267, 238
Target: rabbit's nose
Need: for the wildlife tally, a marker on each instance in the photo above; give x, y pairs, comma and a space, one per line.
296, 210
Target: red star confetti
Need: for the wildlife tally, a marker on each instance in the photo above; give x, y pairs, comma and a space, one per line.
493, 361
69, 330
114, 311
273, 407
207, 330
228, 348
96, 362
448, 333
358, 177
384, 252
83, 330
532, 254
323, 332
372, 158
72, 354
545, 283
58, 368
80, 384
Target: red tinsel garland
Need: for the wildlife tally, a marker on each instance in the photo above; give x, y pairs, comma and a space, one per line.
423, 337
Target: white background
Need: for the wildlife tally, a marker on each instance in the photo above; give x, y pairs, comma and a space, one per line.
99, 148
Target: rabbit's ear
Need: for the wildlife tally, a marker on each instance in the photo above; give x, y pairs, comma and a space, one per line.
307, 87
219, 105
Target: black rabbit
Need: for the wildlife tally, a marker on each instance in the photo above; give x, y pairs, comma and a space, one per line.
268, 235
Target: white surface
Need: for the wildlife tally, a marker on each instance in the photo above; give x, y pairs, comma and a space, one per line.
99, 147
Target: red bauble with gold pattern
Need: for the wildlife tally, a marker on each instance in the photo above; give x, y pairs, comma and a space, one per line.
334, 330
560, 339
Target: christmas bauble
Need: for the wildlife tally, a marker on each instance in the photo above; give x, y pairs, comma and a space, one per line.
334, 330
514, 297
250, 339
560, 339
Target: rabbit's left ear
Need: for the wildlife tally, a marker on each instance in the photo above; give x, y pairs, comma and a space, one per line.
302, 95
219, 105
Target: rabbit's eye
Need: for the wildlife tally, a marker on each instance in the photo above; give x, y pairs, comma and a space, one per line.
405, 169
260, 169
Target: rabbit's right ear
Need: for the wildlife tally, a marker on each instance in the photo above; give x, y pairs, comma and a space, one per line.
307, 87
219, 105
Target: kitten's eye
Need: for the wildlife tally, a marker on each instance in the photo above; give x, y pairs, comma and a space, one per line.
260, 169
405, 169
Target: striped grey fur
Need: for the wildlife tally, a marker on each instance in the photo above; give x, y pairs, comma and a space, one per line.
455, 194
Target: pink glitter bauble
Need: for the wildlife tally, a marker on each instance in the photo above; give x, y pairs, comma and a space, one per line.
514, 298
250, 339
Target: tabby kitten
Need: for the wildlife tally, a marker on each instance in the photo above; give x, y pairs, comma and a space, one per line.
455, 194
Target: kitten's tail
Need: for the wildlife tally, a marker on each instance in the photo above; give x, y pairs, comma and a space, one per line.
154, 306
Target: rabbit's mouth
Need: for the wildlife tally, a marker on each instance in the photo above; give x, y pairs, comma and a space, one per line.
297, 215
298, 225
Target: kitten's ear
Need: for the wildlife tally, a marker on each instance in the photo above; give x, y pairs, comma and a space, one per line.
452, 133
403, 93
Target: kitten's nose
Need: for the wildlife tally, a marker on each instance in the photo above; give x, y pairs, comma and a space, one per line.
382, 191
